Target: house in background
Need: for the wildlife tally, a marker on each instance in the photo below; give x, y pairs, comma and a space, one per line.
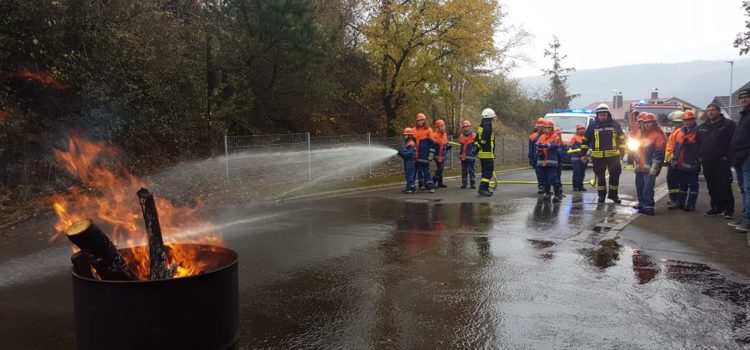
723, 101
619, 106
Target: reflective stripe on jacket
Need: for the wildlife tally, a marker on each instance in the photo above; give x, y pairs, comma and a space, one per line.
604, 139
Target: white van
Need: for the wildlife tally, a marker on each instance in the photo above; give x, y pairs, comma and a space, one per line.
566, 120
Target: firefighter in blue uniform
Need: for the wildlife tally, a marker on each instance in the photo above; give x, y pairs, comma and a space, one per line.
468, 155
533, 138
604, 142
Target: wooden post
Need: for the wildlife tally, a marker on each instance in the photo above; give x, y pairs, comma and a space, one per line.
158, 269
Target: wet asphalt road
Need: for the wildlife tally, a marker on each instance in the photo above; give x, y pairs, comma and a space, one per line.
446, 270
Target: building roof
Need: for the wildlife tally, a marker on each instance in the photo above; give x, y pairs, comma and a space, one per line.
723, 101
619, 113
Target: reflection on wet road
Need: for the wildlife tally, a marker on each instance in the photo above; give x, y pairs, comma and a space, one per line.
474, 275
421, 272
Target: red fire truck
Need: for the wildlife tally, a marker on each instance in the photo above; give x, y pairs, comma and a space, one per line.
663, 112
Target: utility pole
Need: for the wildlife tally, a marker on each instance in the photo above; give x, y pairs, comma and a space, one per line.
731, 77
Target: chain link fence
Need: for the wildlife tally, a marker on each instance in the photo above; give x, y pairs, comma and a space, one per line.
299, 158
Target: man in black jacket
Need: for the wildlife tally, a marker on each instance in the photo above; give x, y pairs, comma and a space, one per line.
604, 142
713, 138
740, 150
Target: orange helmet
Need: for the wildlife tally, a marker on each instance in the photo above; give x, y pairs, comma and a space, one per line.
688, 115
646, 117
408, 131
439, 122
549, 124
540, 122
580, 126
465, 123
420, 116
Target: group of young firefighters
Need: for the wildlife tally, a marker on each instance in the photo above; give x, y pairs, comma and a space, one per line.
422, 146
688, 149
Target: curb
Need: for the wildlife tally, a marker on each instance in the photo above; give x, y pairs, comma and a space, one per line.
342, 192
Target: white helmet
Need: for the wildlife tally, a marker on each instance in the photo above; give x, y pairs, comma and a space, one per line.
488, 113
676, 116
602, 108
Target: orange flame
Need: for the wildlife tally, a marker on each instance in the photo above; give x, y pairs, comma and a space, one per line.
41, 78
108, 196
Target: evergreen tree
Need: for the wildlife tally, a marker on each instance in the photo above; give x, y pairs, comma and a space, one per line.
558, 77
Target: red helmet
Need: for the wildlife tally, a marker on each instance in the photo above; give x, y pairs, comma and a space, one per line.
688, 115
549, 124
646, 117
540, 122
439, 122
580, 126
408, 131
465, 123
420, 116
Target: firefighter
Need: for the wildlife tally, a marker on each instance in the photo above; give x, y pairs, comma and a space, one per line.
440, 138
468, 155
408, 152
423, 132
548, 160
604, 142
648, 161
579, 168
486, 150
686, 163
533, 138
673, 180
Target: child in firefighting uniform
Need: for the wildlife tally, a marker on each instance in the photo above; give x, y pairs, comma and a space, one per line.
548, 160
408, 152
648, 161
533, 138
562, 149
686, 163
440, 138
424, 150
579, 168
468, 155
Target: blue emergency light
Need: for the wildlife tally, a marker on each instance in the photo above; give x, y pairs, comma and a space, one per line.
582, 111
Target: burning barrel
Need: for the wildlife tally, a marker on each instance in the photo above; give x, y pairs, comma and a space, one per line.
195, 312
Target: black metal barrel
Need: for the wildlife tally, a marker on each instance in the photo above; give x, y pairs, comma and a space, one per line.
196, 312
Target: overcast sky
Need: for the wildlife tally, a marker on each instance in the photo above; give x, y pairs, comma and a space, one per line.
607, 33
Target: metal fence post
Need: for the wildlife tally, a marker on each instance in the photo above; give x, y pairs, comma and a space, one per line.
226, 155
369, 150
309, 158
503, 158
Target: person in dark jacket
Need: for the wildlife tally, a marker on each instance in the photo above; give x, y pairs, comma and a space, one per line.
533, 138
486, 151
604, 141
740, 150
713, 138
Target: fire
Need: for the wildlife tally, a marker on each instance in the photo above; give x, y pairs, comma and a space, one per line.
107, 195
41, 78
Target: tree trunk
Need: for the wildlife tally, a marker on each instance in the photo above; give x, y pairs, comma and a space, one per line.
103, 255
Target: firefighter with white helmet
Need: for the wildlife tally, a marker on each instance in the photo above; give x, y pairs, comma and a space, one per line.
604, 141
673, 179
486, 150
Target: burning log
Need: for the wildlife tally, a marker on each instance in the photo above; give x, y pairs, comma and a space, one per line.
156, 251
101, 252
81, 264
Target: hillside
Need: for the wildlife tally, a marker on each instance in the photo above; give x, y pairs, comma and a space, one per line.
696, 82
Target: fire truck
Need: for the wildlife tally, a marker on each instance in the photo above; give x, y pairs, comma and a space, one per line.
663, 112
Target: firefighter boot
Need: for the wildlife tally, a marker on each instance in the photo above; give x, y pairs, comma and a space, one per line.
602, 196
613, 196
484, 189
558, 195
